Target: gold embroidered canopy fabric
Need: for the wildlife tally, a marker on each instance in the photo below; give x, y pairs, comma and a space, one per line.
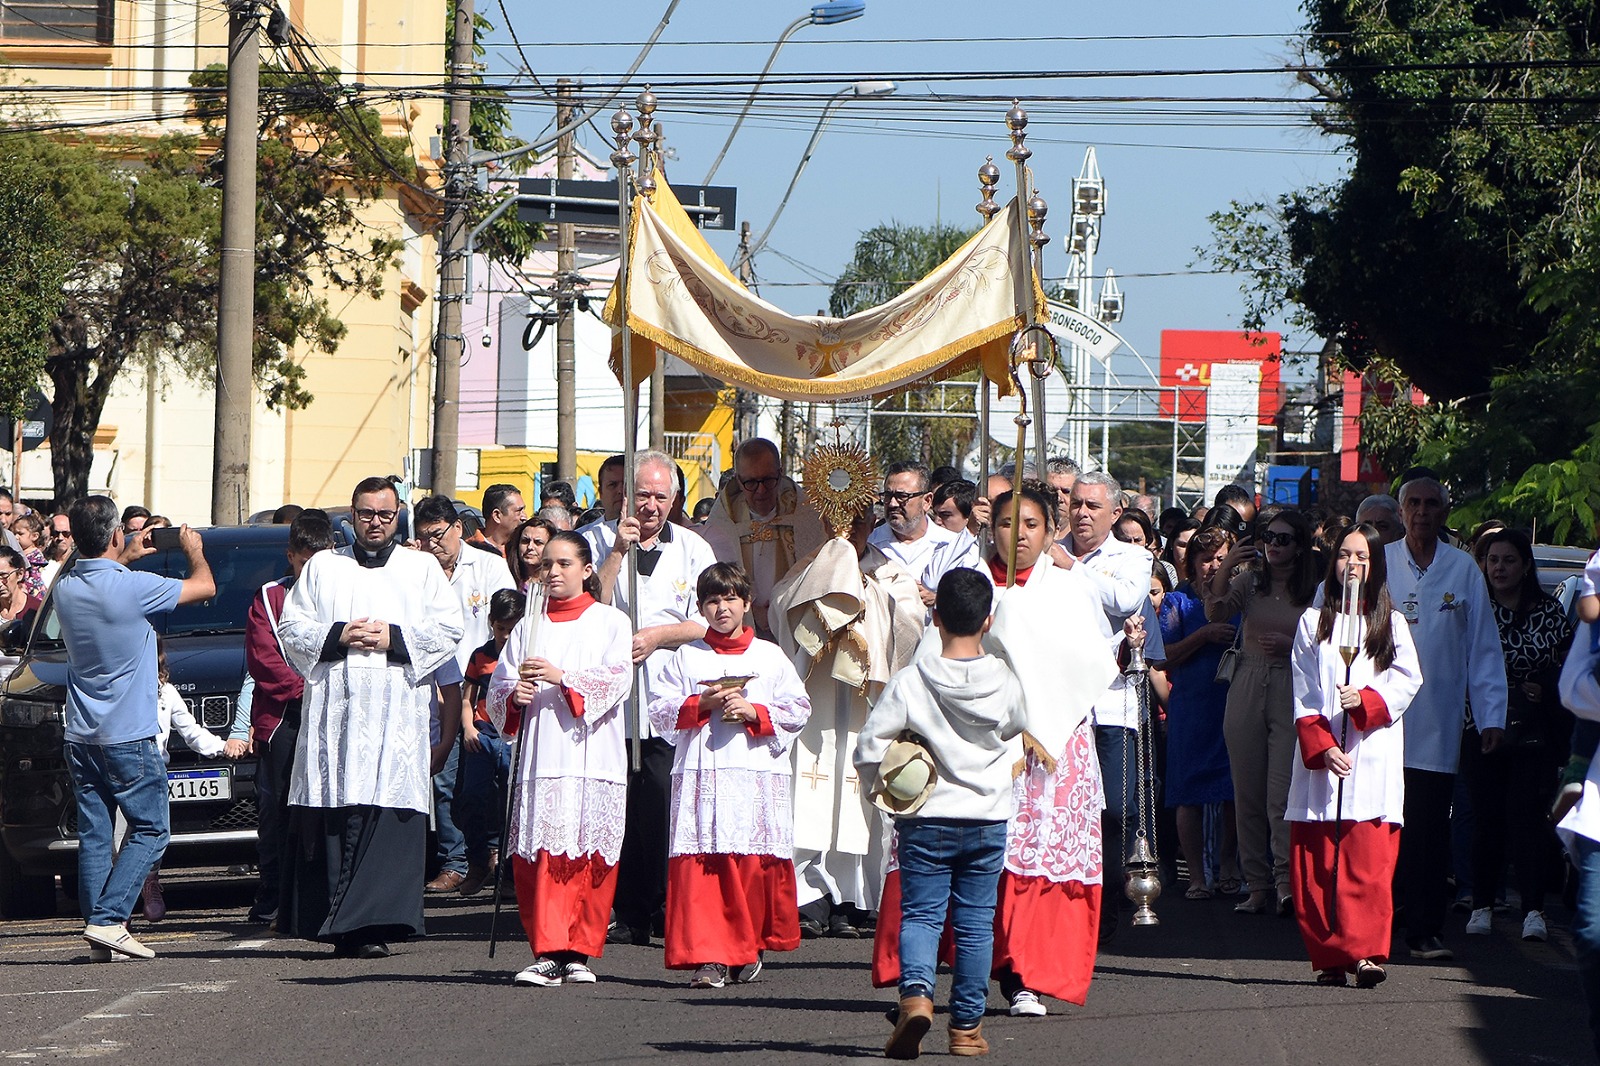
683, 299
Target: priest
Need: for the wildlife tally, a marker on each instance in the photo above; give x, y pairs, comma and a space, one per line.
762, 522
366, 626
849, 618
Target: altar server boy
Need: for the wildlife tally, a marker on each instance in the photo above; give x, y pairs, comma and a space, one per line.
731, 705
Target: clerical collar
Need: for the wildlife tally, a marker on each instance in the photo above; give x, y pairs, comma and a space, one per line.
730, 643
375, 559
997, 569
567, 610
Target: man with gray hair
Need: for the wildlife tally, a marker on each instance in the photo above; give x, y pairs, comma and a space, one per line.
1445, 601
1061, 473
923, 548
1120, 575
669, 560
761, 521
1382, 512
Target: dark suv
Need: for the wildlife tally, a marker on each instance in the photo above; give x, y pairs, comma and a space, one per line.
213, 801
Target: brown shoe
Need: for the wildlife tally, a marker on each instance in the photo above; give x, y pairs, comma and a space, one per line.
472, 884
447, 881
968, 1041
916, 1015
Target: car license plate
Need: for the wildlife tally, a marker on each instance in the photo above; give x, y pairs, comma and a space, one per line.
195, 786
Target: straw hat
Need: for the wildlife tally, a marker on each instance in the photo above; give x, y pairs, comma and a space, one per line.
906, 776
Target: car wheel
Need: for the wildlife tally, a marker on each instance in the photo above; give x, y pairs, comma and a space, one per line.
23, 895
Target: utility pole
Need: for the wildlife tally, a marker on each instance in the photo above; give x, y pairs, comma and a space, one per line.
236, 302
566, 299
746, 408
449, 344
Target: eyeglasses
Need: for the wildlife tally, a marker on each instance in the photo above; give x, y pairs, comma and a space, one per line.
7, 575
368, 515
1277, 540
751, 484
899, 497
436, 533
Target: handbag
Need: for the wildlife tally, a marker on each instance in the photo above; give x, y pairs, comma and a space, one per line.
1230, 656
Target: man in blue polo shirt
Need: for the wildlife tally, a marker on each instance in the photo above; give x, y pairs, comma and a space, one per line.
112, 690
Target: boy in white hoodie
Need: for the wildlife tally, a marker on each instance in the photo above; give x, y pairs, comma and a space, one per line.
965, 708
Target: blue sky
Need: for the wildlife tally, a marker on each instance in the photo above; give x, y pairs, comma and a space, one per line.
913, 157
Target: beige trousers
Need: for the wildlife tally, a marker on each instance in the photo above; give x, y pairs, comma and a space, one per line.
1259, 729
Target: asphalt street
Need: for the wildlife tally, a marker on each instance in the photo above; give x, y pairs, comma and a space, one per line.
1206, 986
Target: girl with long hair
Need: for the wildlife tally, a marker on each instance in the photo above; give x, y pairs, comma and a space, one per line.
1347, 793
563, 678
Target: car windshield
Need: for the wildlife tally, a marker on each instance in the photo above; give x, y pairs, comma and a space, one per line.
240, 569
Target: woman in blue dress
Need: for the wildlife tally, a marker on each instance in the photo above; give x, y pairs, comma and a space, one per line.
1197, 756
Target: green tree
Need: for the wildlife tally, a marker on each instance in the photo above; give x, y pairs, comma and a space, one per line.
144, 257
888, 260
1458, 250
32, 273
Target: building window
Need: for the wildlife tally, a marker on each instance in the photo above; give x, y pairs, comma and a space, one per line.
56, 21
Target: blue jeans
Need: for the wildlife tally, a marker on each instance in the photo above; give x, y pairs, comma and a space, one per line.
450, 851
1586, 929
106, 778
949, 867
481, 794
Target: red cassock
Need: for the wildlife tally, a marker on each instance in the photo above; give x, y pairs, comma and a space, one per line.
1336, 939
565, 903
1367, 855
727, 908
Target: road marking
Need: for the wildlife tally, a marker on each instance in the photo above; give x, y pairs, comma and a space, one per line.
48, 992
249, 945
77, 943
85, 1036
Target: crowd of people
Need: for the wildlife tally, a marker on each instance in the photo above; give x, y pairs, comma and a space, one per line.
738, 728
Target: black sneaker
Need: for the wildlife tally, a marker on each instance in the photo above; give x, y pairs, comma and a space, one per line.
544, 973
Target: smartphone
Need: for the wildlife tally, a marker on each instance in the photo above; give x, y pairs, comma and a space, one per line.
164, 538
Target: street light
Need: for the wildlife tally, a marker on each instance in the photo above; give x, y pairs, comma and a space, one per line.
830, 13
858, 90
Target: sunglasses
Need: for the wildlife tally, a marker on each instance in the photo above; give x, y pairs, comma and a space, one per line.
1277, 540
367, 514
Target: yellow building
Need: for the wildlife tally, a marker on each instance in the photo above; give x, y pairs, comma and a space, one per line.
373, 397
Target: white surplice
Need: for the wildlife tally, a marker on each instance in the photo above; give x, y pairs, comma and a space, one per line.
731, 790
364, 720
848, 624
572, 785
1376, 787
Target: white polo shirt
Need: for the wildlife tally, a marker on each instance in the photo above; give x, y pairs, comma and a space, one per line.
1120, 575
666, 595
930, 556
1452, 623
476, 577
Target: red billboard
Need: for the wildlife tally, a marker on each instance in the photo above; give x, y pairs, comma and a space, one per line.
1186, 358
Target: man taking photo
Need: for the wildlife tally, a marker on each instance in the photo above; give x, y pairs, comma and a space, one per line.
111, 723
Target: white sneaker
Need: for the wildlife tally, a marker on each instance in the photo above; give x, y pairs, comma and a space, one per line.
544, 973
1533, 927
116, 938
1026, 1004
746, 973
1481, 922
576, 973
711, 975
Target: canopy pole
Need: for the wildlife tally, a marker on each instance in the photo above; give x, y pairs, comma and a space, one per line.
622, 125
